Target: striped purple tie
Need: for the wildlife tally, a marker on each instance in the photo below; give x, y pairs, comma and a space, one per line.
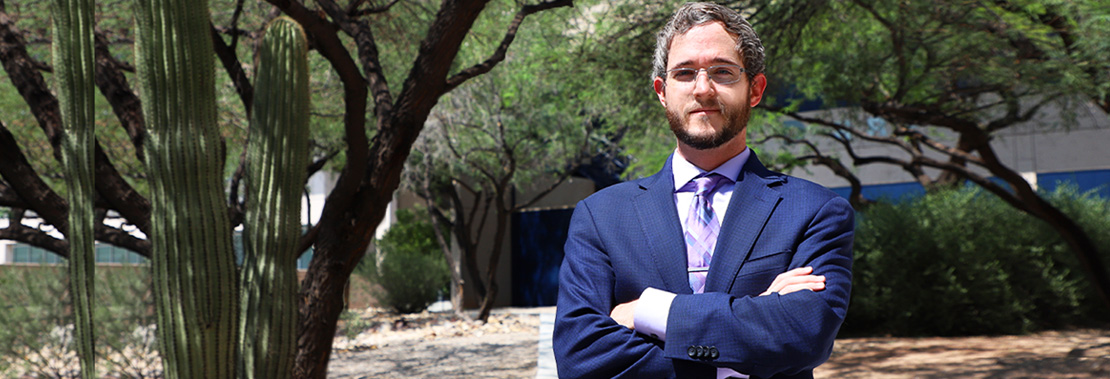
702, 227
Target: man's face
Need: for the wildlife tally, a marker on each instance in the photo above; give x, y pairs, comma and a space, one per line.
704, 114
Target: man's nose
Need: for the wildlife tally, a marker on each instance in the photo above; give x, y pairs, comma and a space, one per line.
703, 85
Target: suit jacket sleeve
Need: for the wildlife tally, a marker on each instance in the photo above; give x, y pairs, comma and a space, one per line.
777, 334
587, 342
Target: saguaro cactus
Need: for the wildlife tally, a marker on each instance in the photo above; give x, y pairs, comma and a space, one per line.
277, 156
73, 75
192, 258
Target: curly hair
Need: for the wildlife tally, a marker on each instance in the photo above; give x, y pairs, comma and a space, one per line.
690, 15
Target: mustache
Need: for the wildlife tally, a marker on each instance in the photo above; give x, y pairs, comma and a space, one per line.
710, 104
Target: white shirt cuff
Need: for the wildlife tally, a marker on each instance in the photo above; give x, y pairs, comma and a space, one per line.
723, 373
651, 313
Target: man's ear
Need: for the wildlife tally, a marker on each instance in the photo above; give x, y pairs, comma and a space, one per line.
660, 90
755, 94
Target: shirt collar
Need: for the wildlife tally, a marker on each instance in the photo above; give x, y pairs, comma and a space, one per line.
684, 171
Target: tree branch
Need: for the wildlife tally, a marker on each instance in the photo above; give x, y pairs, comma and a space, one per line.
856, 197
353, 11
499, 54
234, 26
120, 238
118, 193
326, 39
34, 237
24, 73
28, 185
234, 68
8, 197
368, 54
114, 86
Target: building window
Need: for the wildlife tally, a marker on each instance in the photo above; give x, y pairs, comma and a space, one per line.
108, 254
105, 254
27, 254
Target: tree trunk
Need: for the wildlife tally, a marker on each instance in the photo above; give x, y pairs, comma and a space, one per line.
341, 244
1085, 249
503, 214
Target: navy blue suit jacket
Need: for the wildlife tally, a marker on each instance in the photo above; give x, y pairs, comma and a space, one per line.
627, 237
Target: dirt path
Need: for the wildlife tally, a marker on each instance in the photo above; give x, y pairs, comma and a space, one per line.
433, 345
437, 346
1052, 354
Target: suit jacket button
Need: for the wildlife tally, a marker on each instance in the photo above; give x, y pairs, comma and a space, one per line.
713, 353
692, 351
701, 352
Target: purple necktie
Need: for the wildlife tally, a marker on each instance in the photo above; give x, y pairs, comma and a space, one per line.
702, 227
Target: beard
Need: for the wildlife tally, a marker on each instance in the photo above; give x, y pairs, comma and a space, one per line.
736, 119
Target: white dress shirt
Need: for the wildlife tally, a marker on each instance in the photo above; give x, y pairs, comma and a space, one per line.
651, 313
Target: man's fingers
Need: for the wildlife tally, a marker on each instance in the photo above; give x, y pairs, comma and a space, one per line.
796, 280
812, 286
780, 280
624, 314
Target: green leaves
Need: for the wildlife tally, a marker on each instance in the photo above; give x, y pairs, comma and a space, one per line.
962, 262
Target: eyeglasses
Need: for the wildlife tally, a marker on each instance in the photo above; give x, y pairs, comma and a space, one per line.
722, 74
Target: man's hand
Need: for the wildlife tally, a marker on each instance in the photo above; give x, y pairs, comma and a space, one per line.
625, 314
791, 281
795, 280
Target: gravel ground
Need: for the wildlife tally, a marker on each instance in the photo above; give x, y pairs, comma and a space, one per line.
440, 346
1052, 354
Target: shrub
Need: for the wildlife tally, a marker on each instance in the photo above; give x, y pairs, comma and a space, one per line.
412, 270
37, 328
963, 262
36, 332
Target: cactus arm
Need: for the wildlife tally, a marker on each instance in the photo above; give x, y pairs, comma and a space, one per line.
192, 257
73, 75
277, 157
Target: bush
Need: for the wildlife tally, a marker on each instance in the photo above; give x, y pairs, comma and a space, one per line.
412, 270
36, 314
36, 332
964, 262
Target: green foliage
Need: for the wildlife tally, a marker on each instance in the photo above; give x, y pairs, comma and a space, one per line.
353, 324
38, 332
412, 271
127, 346
922, 52
962, 262
1092, 213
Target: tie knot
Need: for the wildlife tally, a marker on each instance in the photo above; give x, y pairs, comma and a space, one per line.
705, 184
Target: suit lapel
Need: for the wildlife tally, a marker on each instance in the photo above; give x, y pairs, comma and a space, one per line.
753, 201
659, 221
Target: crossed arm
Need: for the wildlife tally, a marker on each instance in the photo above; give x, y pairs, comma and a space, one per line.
773, 333
791, 281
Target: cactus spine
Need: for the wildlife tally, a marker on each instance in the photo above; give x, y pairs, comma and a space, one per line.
73, 75
277, 156
192, 256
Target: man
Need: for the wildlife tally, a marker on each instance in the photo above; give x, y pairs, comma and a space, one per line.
713, 267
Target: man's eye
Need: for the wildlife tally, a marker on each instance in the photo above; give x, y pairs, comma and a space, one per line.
724, 72
683, 75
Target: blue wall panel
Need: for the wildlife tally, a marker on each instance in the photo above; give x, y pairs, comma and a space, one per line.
538, 239
1097, 180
